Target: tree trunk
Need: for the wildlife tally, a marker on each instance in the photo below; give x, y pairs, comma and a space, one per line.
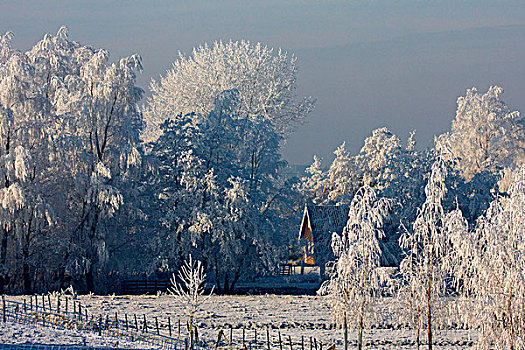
226, 286
26, 269
429, 314
3, 258
322, 269
90, 281
92, 253
360, 331
417, 337
345, 326
26, 275
509, 310
235, 279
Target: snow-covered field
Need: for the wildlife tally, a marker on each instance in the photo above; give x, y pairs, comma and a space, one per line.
15, 333
291, 316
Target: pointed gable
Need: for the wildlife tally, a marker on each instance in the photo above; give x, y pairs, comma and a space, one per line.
319, 222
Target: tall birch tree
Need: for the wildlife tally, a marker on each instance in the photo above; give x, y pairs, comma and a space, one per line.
355, 277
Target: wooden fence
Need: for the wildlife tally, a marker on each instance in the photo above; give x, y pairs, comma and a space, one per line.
141, 287
70, 314
66, 313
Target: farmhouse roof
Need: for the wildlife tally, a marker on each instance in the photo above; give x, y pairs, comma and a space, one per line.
319, 222
322, 220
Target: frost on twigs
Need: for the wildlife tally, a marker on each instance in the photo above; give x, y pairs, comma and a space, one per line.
424, 269
485, 135
356, 277
190, 289
265, 79
490, 268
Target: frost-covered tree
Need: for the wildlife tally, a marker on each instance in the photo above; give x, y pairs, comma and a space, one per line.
264, 78
398, 172
313, 186
355, 277
342, 177
76, 114
95, 102
485, 135
219, 185
336, 185
425, 267
491, 271
25, 208
189, 288
380, 152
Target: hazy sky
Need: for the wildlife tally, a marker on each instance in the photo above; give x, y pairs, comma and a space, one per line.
370, 63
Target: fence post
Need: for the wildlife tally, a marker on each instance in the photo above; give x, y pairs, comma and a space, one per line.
231, 337
126, 317
169, 325
145, 329
302, 342
280, 342
100, 325
49, 302
58, 305
243, 339
219, 336
3, 308
255, 337
268, 336
157, 325
290, 341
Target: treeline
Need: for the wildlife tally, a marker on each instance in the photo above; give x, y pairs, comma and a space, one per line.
457, 215
95, 188
452, 274
485, 144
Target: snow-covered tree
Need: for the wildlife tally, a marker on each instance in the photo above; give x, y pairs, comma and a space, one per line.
264, 78
490, 269
95, 103
380, 152
485, 135
425, 266
23, 139
219, 184
337, 185
313, 186
76, 114
355, 277
189, 288
342, 178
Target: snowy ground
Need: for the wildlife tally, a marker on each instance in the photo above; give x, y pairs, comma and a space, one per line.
291, 316
38, 336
